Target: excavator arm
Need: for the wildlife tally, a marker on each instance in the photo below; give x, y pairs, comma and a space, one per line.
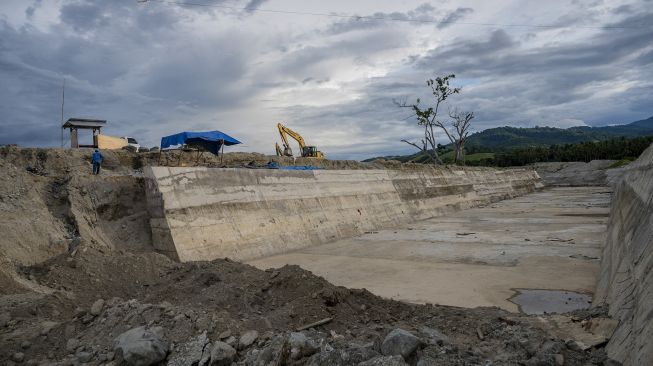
278, 148
306, 151
285, 132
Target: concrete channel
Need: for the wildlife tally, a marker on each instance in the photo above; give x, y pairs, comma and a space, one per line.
550, 239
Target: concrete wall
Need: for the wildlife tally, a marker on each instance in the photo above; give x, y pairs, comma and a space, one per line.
626, 280
578, 173
207, 213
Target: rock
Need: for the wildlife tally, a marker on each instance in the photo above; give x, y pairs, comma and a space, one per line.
141, 346
222, 354
356, 354
96, 308
301, 346
247, 339
327, 358
72, 345
18, 357
194, 352
541, 360
385, 361
47, 326
400, 342
560, 359
275, 353
79, 312
434, 336
87, 318
572, 345
427, 361
25, 344
4, 319
232, 341
225, 334
84, 357
551, 347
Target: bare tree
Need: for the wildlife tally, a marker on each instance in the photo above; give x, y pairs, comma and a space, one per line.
427, 118
460, 121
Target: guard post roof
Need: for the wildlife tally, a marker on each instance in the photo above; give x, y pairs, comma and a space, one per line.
84, 123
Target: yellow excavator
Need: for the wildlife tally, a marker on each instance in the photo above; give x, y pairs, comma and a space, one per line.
306, 151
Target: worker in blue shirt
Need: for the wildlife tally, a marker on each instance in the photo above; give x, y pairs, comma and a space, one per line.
96, 159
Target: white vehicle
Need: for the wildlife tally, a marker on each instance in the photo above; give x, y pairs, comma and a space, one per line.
132, 142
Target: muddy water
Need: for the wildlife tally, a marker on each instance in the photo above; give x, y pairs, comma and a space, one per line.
550, 301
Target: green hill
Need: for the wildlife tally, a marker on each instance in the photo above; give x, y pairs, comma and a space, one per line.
501, 138
507, 138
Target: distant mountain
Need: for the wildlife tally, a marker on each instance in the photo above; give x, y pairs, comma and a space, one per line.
512, 137
506, 138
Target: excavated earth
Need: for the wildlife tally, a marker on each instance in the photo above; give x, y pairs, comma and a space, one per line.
77, 269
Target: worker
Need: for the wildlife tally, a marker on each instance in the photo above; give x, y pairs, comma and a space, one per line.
96, 159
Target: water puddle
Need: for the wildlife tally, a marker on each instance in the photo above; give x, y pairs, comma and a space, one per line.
549, 301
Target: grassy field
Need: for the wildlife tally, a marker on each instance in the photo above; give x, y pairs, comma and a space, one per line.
471, 158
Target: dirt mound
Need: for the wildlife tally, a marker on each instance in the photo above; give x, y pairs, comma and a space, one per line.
224, 298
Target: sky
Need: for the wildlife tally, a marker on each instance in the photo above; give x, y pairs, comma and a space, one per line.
323, 68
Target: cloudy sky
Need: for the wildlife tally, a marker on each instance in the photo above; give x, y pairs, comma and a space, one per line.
241, 66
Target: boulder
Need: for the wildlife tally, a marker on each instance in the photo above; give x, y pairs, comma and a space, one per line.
72, 344
400, 342
434, 336
301, 346
194, 352
247, 339
96, 308
84, 357
141, 346
275, 353
331, 357
222, 354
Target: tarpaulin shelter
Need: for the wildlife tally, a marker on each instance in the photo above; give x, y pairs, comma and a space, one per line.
211, 140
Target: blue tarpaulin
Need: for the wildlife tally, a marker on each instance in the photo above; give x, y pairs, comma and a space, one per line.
299, 167
210, 140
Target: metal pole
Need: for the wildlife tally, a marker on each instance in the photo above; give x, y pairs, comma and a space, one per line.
63, 101
222, 154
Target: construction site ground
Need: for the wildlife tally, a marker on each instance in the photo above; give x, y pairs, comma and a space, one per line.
551, 239
77, 269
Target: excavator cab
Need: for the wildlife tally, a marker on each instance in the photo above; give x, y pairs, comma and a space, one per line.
311, 152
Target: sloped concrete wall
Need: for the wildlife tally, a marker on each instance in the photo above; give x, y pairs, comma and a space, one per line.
207, 213
626, 279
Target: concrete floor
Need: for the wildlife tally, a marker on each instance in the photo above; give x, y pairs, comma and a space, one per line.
550, 239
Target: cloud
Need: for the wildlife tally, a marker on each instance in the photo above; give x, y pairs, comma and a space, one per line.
154, 69
252, 5
454, 16
423, 13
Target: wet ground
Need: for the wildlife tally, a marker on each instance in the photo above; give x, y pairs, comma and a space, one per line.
550, 301
550, 239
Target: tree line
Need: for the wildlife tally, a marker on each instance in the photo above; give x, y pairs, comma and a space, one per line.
614, 149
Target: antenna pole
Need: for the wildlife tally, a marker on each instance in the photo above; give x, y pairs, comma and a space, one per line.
63, 101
